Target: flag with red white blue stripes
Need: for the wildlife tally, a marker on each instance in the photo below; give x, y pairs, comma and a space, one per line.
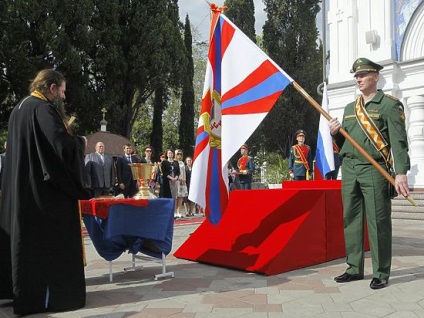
324, 154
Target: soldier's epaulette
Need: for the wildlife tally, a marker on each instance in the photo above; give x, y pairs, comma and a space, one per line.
392, 97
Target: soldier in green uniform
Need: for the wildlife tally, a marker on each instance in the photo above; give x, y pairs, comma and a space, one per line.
364, 190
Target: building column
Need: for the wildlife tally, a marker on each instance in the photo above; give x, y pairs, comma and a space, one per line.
415, 126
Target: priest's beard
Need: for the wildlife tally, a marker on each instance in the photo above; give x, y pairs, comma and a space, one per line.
60, 107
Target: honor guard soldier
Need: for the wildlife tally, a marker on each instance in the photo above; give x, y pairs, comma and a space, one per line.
300, 159
246, 168
376, 121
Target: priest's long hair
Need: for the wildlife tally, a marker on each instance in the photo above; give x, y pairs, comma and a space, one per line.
42, 82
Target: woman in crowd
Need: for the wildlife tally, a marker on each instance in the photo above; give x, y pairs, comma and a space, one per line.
158, 179
189, 205
181, 183
171, 173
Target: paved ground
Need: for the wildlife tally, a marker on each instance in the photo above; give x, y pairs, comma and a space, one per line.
200, 290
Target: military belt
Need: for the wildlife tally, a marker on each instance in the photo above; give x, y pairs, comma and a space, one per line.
379, 160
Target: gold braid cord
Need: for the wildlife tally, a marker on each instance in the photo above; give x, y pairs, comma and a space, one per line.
372, 132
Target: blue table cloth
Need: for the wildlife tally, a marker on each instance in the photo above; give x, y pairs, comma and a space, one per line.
148, 229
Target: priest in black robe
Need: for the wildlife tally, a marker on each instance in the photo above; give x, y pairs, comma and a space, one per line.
41, 255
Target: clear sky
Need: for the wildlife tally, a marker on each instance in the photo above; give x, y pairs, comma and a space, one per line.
199, 14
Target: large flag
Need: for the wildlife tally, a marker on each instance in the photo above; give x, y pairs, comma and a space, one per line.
324, 155
241, 85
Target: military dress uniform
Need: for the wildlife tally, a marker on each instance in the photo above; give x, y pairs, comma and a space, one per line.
246, 168
364, 189
296, 165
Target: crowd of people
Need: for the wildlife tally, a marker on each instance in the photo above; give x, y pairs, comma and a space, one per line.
45, 173
170, 177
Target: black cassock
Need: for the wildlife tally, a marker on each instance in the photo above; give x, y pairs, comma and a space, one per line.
41, 260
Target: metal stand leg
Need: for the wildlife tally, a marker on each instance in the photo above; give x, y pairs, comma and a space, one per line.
110, 272
133, 267
164, 273
162, 261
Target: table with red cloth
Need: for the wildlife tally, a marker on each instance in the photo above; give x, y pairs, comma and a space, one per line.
273, 231
116, 226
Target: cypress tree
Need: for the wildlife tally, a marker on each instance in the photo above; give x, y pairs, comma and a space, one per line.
290, 38
242, 13
114, 54
186, 127
159, 105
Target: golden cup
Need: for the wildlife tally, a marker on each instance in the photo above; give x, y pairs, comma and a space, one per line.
142, 172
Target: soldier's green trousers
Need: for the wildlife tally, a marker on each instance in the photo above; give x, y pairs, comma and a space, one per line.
365, 198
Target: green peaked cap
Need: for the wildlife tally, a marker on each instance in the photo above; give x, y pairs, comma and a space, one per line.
363, 65
300, 132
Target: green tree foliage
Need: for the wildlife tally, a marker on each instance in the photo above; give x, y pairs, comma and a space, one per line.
200, 53
114, 54
163, 106
142, 129
242, 14
290, 38
276, 167
159, 105
24, 24
171, 122
4, 85
46, 34
186, 127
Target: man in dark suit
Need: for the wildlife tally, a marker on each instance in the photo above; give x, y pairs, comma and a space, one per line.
148, 152
99, 171
126, 182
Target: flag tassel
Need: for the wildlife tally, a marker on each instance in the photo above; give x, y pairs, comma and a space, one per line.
350, 139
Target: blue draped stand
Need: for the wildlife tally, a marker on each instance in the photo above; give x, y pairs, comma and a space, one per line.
147, 230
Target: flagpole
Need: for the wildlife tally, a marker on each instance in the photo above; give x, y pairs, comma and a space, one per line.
350, 139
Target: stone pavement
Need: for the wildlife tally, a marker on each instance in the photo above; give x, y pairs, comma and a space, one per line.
203, 291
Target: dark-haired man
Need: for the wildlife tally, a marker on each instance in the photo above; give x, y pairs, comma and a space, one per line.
126, 182
41, 257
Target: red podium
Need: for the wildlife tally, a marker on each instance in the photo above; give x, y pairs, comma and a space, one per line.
273, 231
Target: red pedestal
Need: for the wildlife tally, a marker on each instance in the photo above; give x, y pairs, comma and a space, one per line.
273, 231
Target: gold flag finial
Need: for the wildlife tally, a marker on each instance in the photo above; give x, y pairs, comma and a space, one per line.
216, 8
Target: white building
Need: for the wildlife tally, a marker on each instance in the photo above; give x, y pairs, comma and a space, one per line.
391, 33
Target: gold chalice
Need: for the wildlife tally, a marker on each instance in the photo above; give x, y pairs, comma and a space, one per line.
142, 172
